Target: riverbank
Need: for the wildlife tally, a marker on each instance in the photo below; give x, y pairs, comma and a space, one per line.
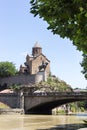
83, 129
10, 111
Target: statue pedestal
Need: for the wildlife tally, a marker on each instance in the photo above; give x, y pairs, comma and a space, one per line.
41, 76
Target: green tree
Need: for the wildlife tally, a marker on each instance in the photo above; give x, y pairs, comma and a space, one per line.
84, 65
7, 69
67, 18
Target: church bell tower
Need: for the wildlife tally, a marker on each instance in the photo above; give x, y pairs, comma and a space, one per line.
36, 50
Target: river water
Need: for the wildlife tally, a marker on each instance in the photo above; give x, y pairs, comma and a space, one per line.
41, 122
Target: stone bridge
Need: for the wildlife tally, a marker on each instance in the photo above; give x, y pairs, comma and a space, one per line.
41, 103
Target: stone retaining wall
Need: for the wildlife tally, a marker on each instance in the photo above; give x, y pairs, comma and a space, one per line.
23, 79
18, 79
11, 111
11, 99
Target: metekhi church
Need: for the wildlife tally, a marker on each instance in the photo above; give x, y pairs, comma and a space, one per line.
35, 63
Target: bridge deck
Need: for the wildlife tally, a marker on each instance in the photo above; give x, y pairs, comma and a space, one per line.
68, 94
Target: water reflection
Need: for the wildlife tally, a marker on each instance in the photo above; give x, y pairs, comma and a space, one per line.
81, 114
66, 127
40, 122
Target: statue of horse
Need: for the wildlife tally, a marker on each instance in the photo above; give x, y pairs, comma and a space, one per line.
43, 66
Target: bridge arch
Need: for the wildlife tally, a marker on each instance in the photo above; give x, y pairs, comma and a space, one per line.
44, 104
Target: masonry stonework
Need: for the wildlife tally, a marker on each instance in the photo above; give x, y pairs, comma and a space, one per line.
11, 99
31, 72
18, 79
33, 62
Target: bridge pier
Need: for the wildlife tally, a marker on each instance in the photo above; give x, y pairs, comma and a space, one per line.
22, 101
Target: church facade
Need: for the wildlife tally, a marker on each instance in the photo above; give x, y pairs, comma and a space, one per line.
35, 63
36, 68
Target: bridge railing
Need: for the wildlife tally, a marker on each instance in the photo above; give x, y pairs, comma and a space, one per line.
8, 94
56, 94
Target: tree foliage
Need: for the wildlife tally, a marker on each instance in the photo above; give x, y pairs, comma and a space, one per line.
7, 69
84, 65
67, 18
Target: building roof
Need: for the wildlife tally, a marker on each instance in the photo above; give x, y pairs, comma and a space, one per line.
37, 45
42, 55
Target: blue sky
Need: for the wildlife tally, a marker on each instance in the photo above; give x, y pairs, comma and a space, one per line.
19, 31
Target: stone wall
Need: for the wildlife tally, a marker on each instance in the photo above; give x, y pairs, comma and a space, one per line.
23, 79
12, 111
18, 79
11, 99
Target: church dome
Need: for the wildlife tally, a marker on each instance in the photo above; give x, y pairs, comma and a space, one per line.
37, 45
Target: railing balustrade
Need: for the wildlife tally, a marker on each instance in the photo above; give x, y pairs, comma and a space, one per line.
56, 94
